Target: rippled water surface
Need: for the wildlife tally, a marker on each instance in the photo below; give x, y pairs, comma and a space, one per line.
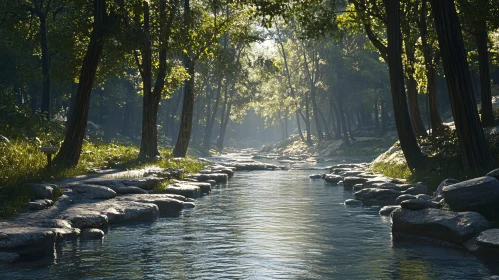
262, 225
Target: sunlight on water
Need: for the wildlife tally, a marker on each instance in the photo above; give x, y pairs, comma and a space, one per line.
263, 225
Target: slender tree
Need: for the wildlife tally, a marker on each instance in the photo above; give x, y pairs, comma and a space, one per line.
473, 147
70, 151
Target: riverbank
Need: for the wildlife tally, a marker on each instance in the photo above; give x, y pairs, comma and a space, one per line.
462, 214
91, 203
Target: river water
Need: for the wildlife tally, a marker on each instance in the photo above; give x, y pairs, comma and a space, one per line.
262, 225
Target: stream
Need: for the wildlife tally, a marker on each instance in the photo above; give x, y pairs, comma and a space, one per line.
262, 225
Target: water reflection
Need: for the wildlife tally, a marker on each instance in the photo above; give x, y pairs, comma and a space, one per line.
263, 225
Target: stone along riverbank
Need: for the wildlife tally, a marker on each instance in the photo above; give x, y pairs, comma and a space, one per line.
462, 214
92, 203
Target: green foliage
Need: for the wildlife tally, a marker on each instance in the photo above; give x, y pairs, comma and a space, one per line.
401, 171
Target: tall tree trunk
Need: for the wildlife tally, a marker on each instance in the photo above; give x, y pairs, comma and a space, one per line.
126, 129
300, 132
376, 114
473, 147
341, 112
483, 60
224, 120
46, 98
185, 130
384, 117
210, 120
430, 62
69, 153
415, 112
286, 115
307, 121
408, 143
152, 97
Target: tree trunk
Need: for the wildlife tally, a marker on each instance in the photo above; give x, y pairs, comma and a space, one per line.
224, 120
346, 139
300, 132
483, 60
376, 114
69, 153
473, 147
45, 65
430, 61
152, 97
210, 120
185, 130
408, 143
307, 121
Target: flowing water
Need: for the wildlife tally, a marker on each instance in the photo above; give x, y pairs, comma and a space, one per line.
262, 225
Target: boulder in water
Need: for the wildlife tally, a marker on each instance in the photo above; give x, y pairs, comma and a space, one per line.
91, 234
381, 197
479, 194
418, 204
351, 181
437, 195
439, 224
333, 179
353, 202
387, 210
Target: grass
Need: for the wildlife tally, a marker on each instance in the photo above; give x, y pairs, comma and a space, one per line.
21, 163
400, 171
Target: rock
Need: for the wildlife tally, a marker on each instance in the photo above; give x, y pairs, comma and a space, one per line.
353, 202
190, 200
437, 195
479, 195
167, 205
488, 239
92, 234
388, 186
424, 197
387, 210
204, 187
316, 176
130, 190
58, 223
418, 204
189, 205
146, 183
40, 204
14, 237
42, 191
404, 197
186, 190
212, 182
88, 220
66, 233
358, 187
439, 224
218, 177
494, 173
381, 197
93, 191
332, 178
416, 189
6, 258
351, 181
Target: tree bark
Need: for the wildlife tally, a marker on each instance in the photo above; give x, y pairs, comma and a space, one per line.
483, 61
46, 98
70, 151
152, 97
430, 62
408, 143
185, 130
472, 144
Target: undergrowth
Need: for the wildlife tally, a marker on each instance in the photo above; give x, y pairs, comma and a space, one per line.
21, 162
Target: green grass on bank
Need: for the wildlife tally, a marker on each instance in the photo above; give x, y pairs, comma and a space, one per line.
21, 163
443, 159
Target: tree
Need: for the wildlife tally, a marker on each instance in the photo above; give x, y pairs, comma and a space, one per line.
472, 145
70, 151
